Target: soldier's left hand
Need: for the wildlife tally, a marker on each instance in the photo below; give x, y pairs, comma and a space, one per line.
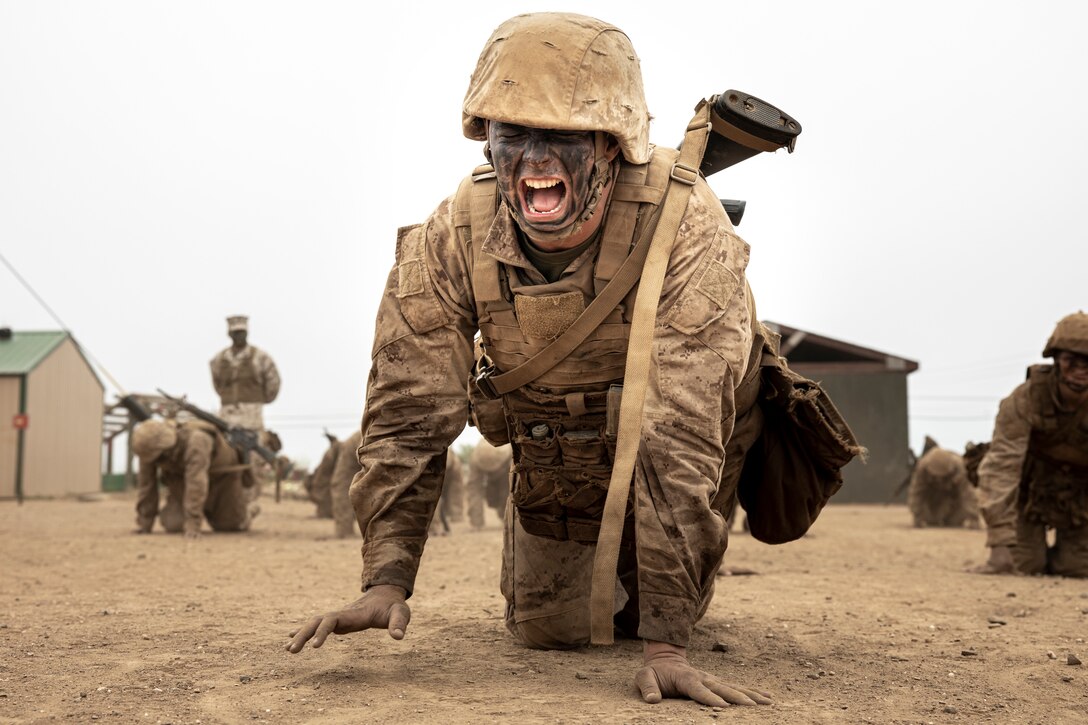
667, 673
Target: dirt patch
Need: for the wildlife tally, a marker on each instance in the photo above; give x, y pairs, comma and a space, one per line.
865, 620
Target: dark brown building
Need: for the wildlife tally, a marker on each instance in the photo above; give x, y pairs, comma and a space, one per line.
870, 390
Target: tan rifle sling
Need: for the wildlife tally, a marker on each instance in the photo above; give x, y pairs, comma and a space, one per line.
636, 374
661, 233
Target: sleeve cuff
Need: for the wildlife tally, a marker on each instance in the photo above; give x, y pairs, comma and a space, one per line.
665, 618
1001, 536
391, 561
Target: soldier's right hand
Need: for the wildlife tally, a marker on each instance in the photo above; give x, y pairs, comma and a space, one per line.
380, 606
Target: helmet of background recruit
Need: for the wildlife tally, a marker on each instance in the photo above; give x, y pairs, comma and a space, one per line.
1070, 334
942, 463
564, 72
151, 437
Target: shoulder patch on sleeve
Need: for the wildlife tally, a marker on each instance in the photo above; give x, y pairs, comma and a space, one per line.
409, 278
718, 283
415, 291
713, 287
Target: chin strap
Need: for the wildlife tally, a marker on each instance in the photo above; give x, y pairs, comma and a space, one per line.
602, 177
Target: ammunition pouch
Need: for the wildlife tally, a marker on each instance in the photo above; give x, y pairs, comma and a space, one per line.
563, 465
1054, 493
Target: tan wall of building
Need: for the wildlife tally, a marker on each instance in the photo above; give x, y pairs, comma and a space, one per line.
63, 453
9, 437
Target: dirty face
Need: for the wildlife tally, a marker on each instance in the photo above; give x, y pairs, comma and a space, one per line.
543, 175
1073, 370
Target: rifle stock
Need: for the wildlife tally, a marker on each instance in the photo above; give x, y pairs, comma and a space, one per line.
244, 439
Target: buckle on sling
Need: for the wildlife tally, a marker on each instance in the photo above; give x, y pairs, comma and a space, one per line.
684, 174
481, 377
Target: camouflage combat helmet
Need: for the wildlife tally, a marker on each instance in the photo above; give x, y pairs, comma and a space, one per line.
152, 437
560, 71
1070, 334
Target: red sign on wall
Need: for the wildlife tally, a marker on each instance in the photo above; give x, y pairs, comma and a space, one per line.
20, 421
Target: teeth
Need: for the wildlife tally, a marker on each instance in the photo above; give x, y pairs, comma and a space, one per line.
541, 183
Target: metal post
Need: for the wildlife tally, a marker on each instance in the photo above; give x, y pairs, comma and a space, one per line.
21, 443
279, 479
130, 477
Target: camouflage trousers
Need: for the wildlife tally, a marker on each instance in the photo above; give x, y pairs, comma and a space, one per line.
546, 584
1068, 556
228, 506
245, 415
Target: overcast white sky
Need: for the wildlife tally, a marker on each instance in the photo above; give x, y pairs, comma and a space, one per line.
163, 165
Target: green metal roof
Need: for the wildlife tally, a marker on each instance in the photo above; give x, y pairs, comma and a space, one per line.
24, 350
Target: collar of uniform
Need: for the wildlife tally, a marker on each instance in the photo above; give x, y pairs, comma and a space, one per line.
246, 351
502, 240
502, 244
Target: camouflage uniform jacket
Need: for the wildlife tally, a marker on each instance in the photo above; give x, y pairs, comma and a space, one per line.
249, 376
416, 402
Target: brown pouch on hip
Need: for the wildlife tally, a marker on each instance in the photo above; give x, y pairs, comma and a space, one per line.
796, 464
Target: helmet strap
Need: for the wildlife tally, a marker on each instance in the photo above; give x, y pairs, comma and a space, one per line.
602, 176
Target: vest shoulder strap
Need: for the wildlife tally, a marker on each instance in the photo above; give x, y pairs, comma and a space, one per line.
474, 208
636, 188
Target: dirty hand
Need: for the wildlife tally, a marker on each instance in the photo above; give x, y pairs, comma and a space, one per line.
380, 606
1000, 562
667, 673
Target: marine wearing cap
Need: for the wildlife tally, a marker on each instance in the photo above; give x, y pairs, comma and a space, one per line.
245, 377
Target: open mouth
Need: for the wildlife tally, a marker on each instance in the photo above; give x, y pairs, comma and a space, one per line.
543, 199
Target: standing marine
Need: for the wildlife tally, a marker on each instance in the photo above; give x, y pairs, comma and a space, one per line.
1034, 478
245, 377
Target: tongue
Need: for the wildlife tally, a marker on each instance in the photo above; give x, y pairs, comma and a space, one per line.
545, 200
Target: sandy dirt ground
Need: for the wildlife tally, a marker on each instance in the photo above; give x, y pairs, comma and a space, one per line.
865, 620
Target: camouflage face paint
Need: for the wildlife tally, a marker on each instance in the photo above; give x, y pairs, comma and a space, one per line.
543, 175
1073, 370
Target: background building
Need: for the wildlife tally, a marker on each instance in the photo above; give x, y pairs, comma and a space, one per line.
870, 390
50, 416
